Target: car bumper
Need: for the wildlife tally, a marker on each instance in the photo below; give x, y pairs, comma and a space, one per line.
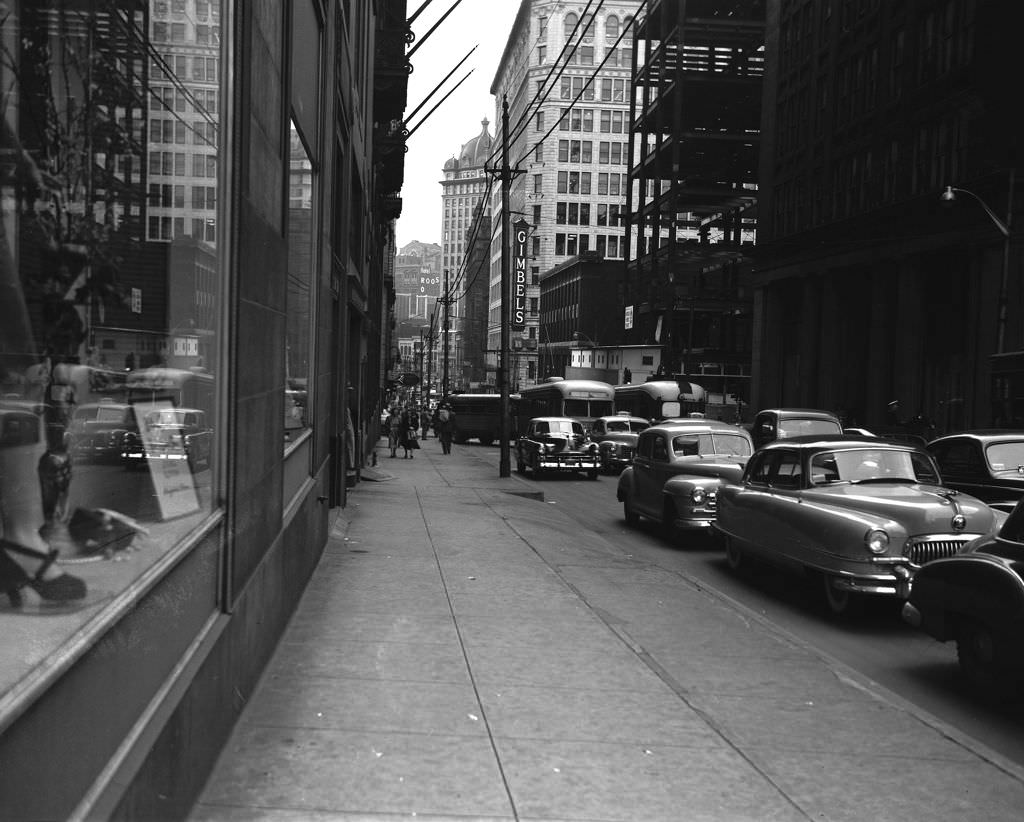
569, 464
894, 584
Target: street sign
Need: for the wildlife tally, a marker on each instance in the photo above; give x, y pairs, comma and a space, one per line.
409, 379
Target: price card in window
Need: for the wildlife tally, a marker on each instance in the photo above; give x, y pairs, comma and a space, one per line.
166, 459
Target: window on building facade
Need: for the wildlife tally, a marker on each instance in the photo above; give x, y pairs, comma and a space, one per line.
563, 182
538, 183
539, 121
563, 119
536, 215
569, 25
106, 359
611, 28
298, 351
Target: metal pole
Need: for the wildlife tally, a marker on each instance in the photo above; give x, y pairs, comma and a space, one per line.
1005, 273
447, 300
430, 360
505, 463
422, 375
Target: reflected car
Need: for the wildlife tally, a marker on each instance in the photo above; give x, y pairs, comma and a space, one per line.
772, 424
976, 599
558, 444
678, 470
616, 439
988, 465
102, 431
173, 434
860, 515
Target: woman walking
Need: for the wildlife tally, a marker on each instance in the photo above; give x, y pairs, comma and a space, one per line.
394, 424
410, 431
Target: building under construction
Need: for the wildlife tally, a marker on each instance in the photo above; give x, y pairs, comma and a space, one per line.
691, 209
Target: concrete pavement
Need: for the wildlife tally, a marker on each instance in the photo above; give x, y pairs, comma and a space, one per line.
465, 651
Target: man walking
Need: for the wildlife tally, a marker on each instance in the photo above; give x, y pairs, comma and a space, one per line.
445, 427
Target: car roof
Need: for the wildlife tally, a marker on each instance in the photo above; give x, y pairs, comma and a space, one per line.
554, 419
629, 417
800, 412
705, 426
984, 435
823, 441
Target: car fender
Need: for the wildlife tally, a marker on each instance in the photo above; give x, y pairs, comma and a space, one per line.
624, 489
981, 587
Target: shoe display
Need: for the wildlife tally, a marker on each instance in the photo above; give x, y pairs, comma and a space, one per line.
13, 578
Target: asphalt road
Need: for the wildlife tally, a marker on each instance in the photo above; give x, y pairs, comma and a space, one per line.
877, 644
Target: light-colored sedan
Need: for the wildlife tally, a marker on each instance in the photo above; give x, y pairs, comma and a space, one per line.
677, 471
859, 514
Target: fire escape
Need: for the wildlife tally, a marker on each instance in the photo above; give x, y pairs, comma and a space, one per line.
691, 207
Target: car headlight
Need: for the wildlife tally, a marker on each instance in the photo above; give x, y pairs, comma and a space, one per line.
876, 541
592, 448
698, 495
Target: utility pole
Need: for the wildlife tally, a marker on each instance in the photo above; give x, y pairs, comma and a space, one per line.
422, 373
447, 301
505, 461
430, 359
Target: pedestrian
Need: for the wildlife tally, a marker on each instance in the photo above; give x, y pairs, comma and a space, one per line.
394, 424
425, 419
410, 431
445, 427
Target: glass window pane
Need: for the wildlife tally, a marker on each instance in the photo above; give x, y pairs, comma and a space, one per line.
109, 362
300, 275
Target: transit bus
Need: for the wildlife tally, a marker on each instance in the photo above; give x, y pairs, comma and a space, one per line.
183, 388
582, 400
660, 399
478, 416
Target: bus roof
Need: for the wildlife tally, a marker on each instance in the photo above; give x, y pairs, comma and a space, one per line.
665, 389
568, 388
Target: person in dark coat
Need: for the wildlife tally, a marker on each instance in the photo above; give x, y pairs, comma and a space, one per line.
445, 427
410, 431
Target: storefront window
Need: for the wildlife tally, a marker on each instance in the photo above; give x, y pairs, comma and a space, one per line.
110, 295
300, 276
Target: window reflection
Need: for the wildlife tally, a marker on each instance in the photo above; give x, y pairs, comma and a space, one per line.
109, 291
300, 274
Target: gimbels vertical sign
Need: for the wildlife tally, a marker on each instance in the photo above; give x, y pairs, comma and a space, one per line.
520, 234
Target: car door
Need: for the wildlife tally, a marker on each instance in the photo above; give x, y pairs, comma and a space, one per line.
651, 452
741, 511
785, 523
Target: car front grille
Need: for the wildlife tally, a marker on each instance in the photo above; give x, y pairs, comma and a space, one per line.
925, 549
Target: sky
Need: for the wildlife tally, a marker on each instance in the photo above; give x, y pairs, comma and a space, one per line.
486, 24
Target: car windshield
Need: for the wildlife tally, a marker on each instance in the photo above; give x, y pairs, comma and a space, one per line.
871, 465
800, 427
688, 445
617, 425
559, 427
1006, 456
165, 418
110, 415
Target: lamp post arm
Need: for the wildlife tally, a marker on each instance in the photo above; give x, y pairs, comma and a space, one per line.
1004, 228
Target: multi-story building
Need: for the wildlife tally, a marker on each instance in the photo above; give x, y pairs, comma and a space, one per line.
692, 200
566, 80
873, 286
465, 209
417, 288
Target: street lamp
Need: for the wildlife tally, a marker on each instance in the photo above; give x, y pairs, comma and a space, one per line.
949, 196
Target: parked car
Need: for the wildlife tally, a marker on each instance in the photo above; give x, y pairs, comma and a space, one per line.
172, 433
773, 424
860, 514
976, 599
556, 444
101, 431
616, 439
678, 470
988, 465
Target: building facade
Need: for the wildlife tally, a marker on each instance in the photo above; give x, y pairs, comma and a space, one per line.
138, 608
873, 287
692, 205
465, 221
566, 79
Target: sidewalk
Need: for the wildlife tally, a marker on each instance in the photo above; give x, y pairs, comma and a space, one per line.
464, 651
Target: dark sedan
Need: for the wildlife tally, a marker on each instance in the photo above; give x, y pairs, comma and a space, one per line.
988, 465
976, 599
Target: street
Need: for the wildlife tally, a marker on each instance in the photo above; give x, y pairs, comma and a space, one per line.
878, 645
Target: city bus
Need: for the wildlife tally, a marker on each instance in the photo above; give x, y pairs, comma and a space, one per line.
582, 400
660, 399
478, 416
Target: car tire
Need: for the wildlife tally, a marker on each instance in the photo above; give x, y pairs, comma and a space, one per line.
632, 517
485, 441
840, 602
734, 555
977, 651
